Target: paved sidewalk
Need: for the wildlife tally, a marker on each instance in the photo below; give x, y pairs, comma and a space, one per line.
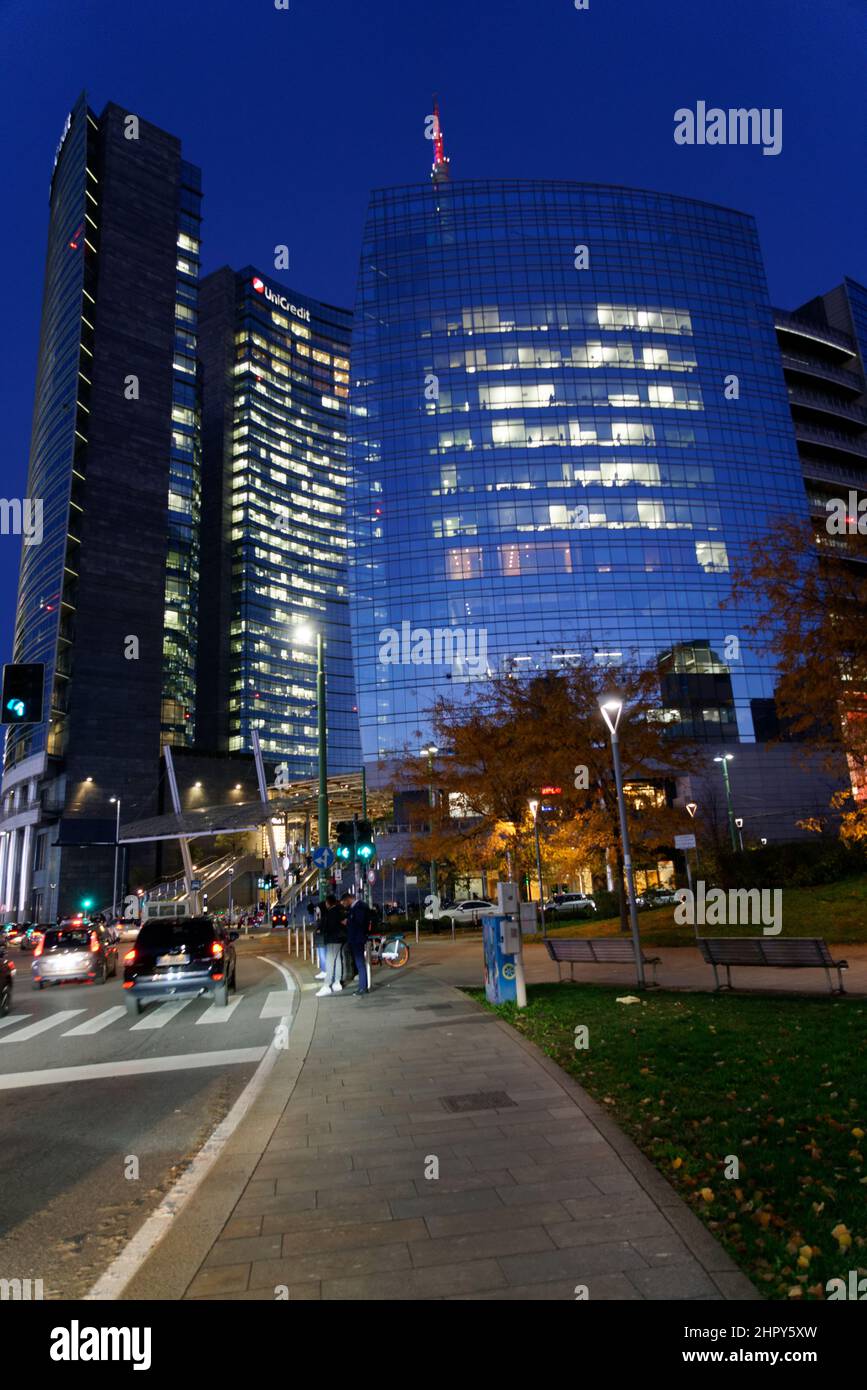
537, 1190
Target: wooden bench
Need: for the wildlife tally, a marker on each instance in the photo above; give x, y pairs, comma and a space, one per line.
793, 953
597, 950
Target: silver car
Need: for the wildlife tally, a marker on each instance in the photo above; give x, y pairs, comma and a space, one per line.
84, 952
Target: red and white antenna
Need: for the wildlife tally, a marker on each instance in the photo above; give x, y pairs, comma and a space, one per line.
440, 169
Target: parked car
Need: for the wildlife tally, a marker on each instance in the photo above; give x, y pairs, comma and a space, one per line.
31, 938
7, 978
467, 913
570, 905
82, 952
177, 956
658, 897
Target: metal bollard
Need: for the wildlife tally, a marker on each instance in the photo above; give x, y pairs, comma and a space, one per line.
296, 942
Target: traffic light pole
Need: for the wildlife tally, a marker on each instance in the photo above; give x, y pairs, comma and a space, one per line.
369, 888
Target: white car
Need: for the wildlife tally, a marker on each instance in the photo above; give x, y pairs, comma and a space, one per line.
570, 904
467, 913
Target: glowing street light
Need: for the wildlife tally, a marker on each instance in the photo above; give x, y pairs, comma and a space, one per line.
612, 709
725, 759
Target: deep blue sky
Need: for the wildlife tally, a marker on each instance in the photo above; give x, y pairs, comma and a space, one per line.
293, 116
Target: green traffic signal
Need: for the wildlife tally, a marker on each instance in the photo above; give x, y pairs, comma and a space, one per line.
87, 902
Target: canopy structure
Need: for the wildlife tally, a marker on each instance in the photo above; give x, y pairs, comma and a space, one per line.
298, 799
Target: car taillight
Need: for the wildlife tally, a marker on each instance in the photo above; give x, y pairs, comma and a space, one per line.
216, 949
94, 942
38, 951
130, 955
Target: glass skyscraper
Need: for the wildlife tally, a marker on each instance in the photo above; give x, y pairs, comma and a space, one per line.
108, 600
275, 368
567, 421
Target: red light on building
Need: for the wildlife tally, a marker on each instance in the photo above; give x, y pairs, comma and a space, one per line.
258, 285
550, 791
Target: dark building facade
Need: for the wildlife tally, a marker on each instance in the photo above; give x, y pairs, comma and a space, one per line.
108, 600
275, 382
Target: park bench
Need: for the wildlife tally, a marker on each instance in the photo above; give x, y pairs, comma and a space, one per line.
794, 953
603, 950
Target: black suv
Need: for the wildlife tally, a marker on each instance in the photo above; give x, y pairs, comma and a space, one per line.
177, 956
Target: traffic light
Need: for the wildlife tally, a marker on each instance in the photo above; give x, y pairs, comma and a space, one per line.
365, 847
345, 841
354, 841
22, 692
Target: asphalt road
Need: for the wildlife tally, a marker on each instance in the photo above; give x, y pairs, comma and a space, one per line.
101, 1112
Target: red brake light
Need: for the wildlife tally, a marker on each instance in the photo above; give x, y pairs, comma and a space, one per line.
38, 951
94, 942
130, 955
216, 949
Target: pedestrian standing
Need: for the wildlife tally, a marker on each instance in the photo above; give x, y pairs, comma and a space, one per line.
333, 934
357, 925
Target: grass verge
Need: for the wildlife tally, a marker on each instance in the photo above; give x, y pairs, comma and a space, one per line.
779, 1084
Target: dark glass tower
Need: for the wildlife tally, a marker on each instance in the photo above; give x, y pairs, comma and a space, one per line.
275, 373
568, 420
108, 600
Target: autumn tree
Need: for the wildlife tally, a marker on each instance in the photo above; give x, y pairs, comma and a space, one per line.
810, 593
522, 733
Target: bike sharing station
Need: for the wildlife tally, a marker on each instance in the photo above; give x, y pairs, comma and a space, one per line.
505, 981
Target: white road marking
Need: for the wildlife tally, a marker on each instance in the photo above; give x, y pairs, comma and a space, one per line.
16, 1018
141, 1066
277, 1005
216, 1014
115, 1279
42, 1026
162, 1015
97, 1023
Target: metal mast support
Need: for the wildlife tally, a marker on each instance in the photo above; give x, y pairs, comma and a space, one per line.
192, 898
276, 862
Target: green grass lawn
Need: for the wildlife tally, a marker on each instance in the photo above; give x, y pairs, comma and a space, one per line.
781, 1084
835, 911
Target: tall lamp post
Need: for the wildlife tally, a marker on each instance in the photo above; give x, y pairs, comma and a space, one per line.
116, 844
725, 759
612, 709
534, 812
430, 752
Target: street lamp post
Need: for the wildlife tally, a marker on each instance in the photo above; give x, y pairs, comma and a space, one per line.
725, 759
431, 751
611, 712
534, 812
323, 759
116, 843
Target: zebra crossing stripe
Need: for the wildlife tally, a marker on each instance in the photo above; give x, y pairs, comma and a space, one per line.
161, 1016
216, 1014
97, 1023
42, 1026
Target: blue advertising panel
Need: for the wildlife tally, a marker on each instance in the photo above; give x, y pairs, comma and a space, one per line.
500, 970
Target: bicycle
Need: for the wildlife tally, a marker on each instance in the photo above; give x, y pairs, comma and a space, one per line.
388, 949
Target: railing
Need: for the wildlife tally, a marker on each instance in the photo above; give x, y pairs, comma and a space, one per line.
817, 368
832, 404
813, 329
833, 439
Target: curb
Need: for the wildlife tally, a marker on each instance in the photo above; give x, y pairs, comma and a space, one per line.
175, 1262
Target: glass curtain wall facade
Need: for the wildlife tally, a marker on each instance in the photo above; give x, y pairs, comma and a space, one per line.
184, 499
568, 420
276, 383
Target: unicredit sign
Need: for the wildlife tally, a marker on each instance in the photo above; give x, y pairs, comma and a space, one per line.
261, 288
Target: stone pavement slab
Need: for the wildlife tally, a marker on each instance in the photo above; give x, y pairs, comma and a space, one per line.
427, 1151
